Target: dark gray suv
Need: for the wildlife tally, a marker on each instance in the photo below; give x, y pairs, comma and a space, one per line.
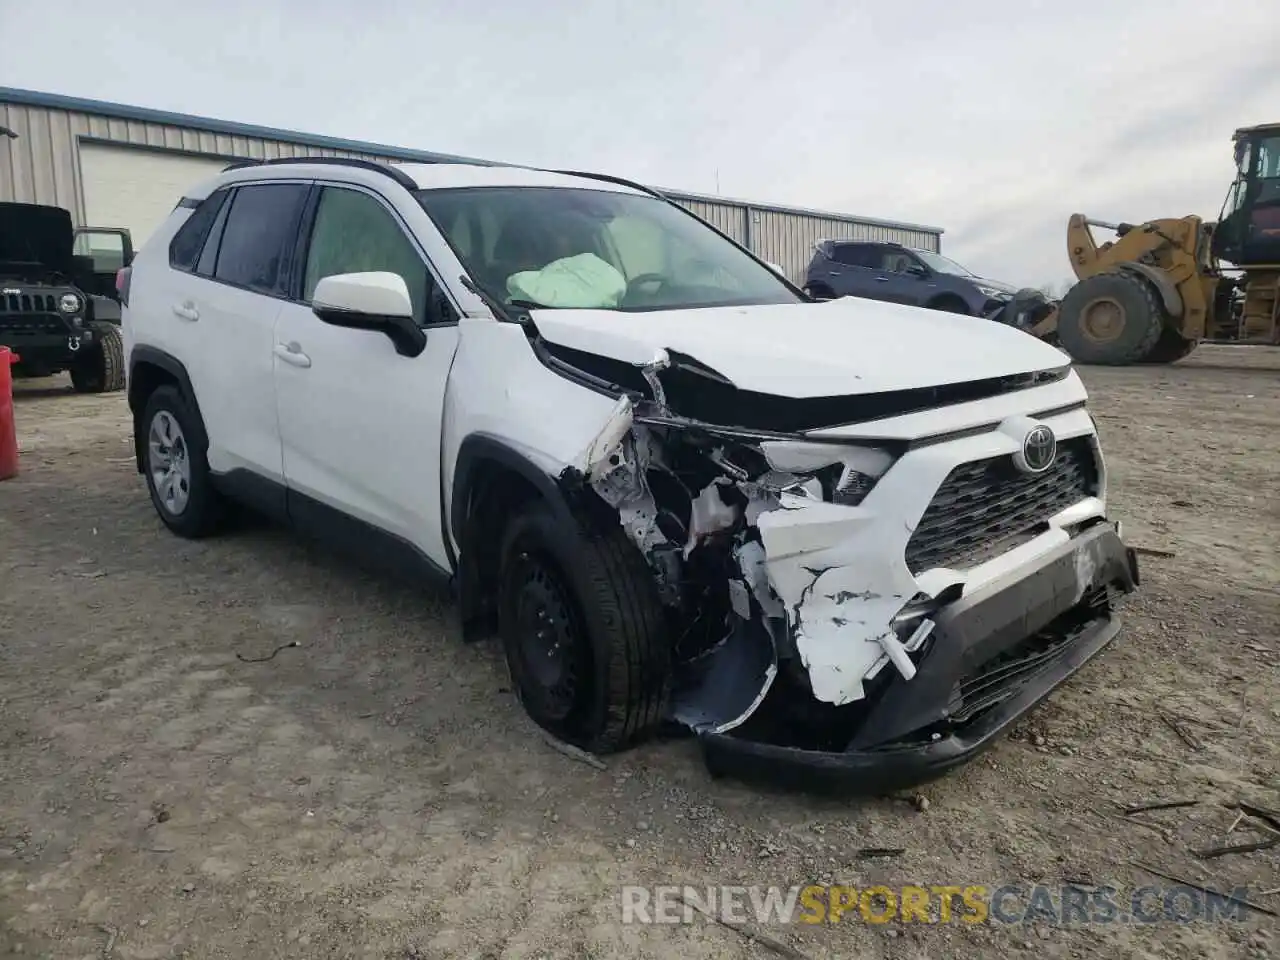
890, 271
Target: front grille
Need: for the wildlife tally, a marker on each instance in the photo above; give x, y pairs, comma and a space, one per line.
988, 507
28, 303
34, 324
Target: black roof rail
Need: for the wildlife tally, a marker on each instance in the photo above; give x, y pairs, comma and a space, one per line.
387, 169
618, 180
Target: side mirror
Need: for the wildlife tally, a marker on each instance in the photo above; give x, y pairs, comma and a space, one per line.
917, 270
371, 301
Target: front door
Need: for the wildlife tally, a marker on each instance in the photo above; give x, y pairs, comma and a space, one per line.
360, 423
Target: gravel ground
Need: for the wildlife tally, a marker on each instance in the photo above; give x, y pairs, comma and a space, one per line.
377, 793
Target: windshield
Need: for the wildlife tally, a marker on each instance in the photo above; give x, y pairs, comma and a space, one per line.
569, 247
936, 261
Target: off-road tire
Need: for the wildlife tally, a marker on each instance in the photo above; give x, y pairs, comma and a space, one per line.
101, 369
205, 509
1143, 320
621, 639
1170, 348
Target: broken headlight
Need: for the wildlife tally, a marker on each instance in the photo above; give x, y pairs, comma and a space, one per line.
836, 474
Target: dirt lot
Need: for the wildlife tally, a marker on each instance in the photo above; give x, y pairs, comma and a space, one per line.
377, 793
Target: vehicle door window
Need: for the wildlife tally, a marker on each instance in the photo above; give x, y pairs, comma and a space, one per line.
104, 247
258, 239
895, 261
185, 247
855, 255
354, 233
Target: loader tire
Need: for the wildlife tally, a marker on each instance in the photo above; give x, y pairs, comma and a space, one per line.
1112, 319
1170, 348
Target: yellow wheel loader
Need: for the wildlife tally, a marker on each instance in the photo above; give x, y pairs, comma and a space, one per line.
1157, 290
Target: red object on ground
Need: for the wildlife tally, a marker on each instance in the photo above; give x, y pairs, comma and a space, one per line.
8, 430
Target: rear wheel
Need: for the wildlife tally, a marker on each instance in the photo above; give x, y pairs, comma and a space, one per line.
175, 466
583, 631
100, 367
820, 291
1112, 319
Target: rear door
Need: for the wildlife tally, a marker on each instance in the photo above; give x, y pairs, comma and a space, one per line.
852, 270
229, 303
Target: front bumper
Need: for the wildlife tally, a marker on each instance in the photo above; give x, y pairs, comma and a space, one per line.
994, 655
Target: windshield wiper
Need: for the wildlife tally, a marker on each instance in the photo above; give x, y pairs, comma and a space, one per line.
499, 307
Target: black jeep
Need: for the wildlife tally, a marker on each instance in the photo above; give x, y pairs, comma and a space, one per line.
59, 309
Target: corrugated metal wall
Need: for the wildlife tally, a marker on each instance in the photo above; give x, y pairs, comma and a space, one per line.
43, 166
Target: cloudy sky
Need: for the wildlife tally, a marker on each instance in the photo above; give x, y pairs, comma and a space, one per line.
995, 119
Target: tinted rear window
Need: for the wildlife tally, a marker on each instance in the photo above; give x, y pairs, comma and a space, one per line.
185, 247
258, 239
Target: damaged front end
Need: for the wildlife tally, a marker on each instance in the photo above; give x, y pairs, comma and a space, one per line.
805, 651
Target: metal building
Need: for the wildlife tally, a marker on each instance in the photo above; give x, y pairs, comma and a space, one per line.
124, 166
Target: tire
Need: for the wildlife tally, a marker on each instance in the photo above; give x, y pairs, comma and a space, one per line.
950, 305
1170, 348
1112, 319
102, 369
200, 511
583, 631
820, 291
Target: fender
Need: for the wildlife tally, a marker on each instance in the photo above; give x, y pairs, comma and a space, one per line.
171, 365
1167, 289
475, 451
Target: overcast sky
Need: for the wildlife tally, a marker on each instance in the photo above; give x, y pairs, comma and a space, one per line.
995, 119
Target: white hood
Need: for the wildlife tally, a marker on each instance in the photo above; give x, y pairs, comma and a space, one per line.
838, 348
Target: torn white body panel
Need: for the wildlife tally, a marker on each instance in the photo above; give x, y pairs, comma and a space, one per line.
840, 597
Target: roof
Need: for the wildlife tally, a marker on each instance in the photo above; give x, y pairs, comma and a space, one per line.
123, 111
437, 176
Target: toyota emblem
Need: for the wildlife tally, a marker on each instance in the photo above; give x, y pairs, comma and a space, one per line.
1039, 449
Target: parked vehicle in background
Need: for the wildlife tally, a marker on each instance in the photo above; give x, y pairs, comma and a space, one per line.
877, 270
59, 309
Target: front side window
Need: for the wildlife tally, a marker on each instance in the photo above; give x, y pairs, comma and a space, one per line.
578, 247
354, 233
257, 241
941, 264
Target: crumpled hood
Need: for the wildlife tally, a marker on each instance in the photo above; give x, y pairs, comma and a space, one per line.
841, 347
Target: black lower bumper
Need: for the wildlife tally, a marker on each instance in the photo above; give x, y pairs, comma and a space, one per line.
994, 655
48, 350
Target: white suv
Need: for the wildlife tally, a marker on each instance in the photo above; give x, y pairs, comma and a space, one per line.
845, 543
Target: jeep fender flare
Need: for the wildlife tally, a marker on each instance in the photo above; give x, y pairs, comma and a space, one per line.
171, 365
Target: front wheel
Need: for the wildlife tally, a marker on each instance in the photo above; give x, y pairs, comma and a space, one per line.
583, 631
101, 367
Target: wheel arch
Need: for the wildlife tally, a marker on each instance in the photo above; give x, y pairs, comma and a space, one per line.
937, 302
491, 480
151, 368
